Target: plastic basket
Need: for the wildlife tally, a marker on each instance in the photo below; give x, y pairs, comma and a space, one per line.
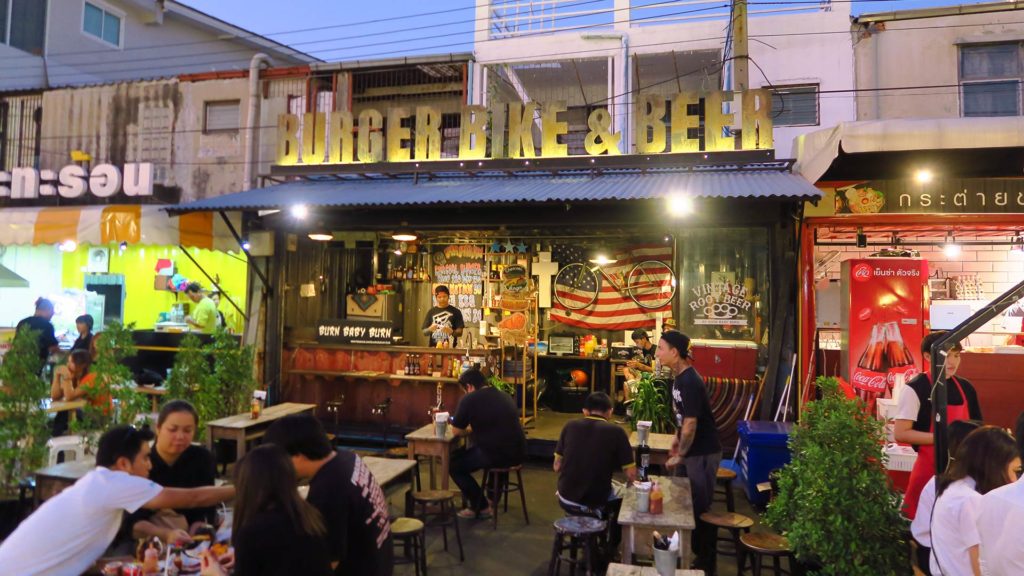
900, 458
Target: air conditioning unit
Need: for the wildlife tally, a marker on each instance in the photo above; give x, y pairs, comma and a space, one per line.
99, 261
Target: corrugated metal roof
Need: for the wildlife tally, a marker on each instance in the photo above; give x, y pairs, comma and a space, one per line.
518, 189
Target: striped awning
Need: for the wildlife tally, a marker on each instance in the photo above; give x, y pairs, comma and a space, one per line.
98, 225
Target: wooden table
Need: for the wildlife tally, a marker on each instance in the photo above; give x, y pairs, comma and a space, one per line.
624, 570
387, 472
659, 444
677, 515
65, 405
51, 480
155, 393
424, 442
242, 428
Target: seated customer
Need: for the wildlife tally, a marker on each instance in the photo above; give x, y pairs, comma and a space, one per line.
1000, 520
921, 525
84, 324
274, 531
341, 487
986, 460
177, 463
70, 531
74, 383
491, 419
589, 451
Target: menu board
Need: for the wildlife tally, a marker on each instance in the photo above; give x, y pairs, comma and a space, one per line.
460, 267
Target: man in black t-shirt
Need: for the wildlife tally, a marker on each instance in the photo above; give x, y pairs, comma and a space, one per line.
444, 321
696, 451
588, 452
40, 322
490, 418
341, 487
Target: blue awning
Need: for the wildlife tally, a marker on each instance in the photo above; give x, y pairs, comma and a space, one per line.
475, 190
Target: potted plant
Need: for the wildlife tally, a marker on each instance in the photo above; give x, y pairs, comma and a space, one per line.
216, 377
23, 423
834, 501
113, 380
506, 387
649, 404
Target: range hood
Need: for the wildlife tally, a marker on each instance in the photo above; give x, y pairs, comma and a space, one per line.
8, 279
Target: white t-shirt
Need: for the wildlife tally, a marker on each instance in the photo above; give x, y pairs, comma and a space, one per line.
920, 526
1000, 522
955, 529
70, 531
907, 406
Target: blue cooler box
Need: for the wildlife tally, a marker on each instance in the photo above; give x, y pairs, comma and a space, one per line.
762, 449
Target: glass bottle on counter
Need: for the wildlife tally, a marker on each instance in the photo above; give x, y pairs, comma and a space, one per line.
643, 459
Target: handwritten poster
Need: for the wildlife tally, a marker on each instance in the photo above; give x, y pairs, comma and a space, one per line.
460, 267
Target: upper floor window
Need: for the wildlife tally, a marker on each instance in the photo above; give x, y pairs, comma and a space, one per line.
795, 105
222, 116
23, 25
102, 24
990, 79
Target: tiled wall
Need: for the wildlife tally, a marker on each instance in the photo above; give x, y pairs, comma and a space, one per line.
995, 267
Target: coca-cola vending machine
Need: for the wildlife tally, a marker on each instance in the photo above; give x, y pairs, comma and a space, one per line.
884, 315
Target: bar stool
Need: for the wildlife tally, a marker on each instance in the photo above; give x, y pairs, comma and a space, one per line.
735, 524
583, 532
436, 508
409, 532
761, 544
497, 479
402, 452
723, 486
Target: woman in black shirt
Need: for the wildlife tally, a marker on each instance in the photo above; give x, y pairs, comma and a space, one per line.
177, 463
84, 324
275, 532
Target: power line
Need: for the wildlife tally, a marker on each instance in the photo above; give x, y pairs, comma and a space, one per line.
120, 63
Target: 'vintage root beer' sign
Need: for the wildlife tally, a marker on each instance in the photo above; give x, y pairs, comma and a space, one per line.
406, 134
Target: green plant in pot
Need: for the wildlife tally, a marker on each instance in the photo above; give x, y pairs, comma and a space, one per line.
834, 501
506, 387
23, 421
649, 403
113, 380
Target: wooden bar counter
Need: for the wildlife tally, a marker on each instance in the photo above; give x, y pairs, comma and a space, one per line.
362, 377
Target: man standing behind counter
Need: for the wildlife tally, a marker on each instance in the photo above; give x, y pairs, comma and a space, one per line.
444, 321
204, 317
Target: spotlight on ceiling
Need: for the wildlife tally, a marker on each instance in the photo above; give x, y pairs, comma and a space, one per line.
951, 249
923, 176
680, 205
404, 235
300, 211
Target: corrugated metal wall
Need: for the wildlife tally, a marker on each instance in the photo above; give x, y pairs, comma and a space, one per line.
116, 123
20, 118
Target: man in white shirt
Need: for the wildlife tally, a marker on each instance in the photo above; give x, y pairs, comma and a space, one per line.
70, 531
1000, 522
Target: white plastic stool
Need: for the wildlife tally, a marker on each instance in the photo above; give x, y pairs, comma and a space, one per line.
71, 446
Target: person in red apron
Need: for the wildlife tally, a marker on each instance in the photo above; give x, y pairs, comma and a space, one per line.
914, 421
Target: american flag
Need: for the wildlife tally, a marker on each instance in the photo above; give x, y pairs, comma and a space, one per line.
613, 309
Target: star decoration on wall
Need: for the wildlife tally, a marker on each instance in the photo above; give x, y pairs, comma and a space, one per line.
496, 246
521, 248
509, 246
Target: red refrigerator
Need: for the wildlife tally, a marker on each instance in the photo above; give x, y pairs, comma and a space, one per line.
884, 315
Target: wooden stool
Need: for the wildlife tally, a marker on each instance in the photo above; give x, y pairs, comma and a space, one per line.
761, 544
443, 513
583, 532
401, 452
409, 532
735, 524
723, 482
497, 479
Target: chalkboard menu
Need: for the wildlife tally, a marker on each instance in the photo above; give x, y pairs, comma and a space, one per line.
460, 267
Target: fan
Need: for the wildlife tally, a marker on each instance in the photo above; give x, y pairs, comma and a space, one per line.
99, 260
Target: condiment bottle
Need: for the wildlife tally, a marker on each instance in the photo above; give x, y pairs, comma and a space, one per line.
255, 408
657, 499
151, 560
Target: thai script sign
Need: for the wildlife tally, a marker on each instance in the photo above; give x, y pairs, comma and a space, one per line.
945, 196
103, 181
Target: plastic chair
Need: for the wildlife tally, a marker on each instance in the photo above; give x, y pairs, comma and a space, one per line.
70, 446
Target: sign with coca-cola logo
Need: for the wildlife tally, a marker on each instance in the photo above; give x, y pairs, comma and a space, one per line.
885, 321
862, 272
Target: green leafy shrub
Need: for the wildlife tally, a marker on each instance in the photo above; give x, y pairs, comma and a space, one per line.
834, 501
23, 421
113, 380
649, 403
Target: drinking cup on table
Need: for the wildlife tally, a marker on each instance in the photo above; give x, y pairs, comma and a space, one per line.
665, 561
643, 496
441, 424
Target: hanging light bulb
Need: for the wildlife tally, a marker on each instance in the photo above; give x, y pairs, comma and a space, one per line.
951, 249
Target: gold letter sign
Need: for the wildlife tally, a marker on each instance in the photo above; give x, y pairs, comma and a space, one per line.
317, 138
